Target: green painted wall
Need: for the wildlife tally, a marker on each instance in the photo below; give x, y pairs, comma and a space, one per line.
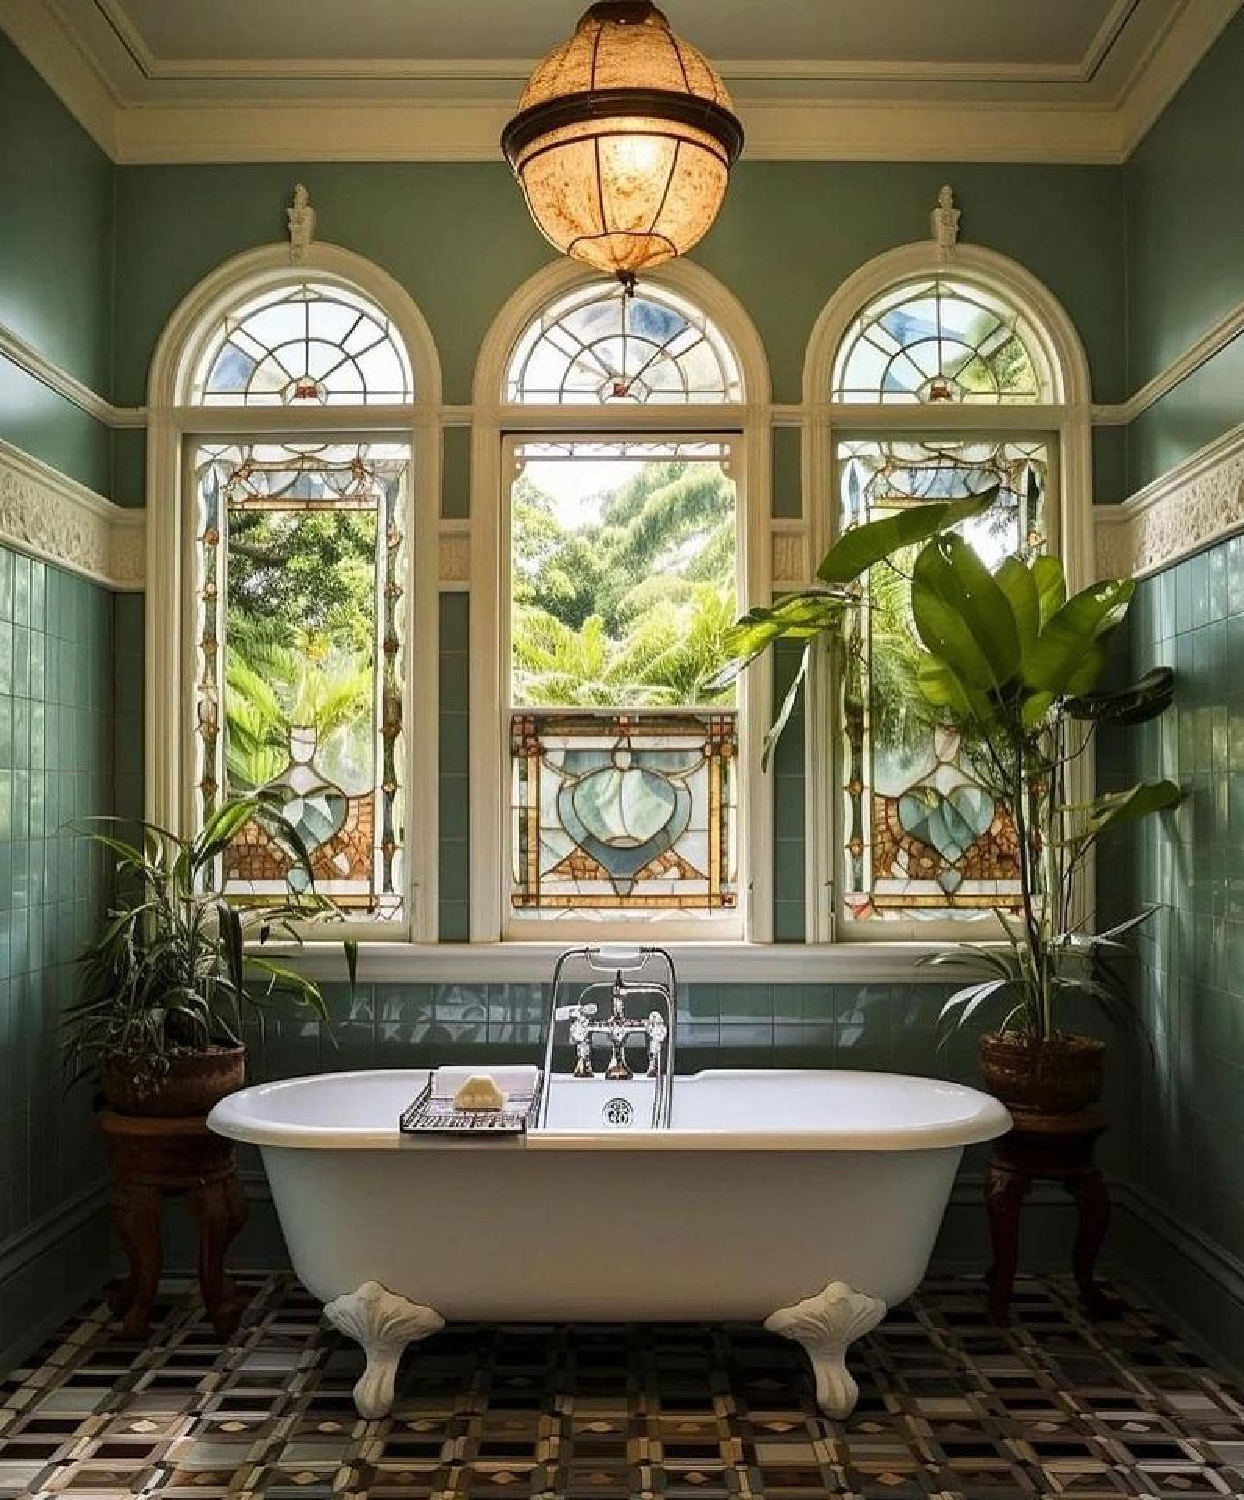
459, 239
1185, 227
56, 244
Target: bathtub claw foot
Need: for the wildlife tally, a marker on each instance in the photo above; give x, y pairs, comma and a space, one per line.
826, 1326
384, 1324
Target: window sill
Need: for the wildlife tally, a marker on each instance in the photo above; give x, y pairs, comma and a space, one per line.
696, 963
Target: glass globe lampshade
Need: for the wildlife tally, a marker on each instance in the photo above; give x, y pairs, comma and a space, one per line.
624, 141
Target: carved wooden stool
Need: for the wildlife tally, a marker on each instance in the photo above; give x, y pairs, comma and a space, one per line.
155, 1158
1052, 1148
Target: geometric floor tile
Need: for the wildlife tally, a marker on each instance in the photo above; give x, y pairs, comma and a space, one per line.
951, 1408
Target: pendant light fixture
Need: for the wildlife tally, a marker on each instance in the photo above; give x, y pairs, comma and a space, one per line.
624, 141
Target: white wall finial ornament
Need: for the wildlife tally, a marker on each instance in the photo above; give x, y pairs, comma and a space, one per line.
944, 221
300, 217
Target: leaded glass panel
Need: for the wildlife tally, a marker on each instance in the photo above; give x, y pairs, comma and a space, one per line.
923, 838
306, 344
940, 340
604, 346
618, 813
624, 563
299, 645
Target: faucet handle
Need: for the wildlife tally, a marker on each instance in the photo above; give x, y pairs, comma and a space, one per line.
573, 1012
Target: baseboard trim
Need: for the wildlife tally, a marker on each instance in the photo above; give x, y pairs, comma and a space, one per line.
49, 1270
1197, 1271
47, 1231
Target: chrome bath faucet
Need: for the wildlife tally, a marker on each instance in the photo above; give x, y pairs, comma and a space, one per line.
618, 1030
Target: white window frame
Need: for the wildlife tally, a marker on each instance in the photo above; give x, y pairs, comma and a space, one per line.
496, 424
1066, 420
175, 424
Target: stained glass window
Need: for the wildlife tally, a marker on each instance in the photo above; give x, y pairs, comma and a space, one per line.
299, 659
940, 340
306, 344
600, 346
922, 836
623, 583
623, 812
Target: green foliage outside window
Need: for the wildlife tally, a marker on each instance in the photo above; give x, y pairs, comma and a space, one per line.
631, 609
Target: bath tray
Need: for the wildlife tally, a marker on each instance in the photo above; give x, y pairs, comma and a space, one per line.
429, 1115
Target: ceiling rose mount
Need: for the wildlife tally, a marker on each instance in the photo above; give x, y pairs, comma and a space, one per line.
623, 141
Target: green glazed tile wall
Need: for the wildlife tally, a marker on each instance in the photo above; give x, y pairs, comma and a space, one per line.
1189, 1078
726, 1025
56, 685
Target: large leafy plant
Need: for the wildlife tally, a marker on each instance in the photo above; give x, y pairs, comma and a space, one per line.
176, 965
1016, 665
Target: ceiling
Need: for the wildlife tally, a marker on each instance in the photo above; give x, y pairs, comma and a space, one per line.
981, 79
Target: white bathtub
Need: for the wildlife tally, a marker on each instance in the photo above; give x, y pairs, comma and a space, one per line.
810, 1200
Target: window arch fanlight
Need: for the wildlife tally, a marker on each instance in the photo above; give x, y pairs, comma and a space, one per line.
988, 277
307, 341
923, 368
600, 344
289, 568
622, 786
942, 339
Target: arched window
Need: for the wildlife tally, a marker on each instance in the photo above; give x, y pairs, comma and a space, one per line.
927, 373
938, 339
601, 345
623, 561
304, 342
297, 573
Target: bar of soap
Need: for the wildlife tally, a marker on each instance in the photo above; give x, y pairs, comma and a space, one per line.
480, 1092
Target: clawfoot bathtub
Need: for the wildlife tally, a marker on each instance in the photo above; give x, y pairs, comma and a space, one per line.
809, 1200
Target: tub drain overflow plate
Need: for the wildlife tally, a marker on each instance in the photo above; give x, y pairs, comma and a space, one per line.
618, 1113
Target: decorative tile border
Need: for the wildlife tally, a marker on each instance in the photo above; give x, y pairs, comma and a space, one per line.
45, 513
1193, 505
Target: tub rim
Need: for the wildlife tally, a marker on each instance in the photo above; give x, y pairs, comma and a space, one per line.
989, 1120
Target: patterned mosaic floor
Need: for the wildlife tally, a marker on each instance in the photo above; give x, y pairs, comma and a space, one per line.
950, 1407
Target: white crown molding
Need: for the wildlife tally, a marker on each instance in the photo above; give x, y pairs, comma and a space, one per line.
1165, 69
48, 515
1195, 504
41, 34
146, 128
807, 129
26, 357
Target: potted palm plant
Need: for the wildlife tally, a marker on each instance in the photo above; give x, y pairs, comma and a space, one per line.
175, 968
1015, 665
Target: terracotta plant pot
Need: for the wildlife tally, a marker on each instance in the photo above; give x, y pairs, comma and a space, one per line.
1058, 1076
194, 1082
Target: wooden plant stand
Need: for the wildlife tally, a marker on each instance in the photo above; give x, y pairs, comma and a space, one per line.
154, 1158
1052, 1148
